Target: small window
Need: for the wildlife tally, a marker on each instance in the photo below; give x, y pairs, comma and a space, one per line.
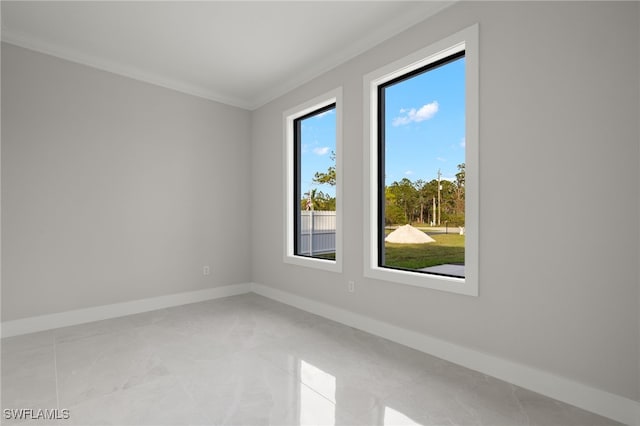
422, 146
314, 138
313, 183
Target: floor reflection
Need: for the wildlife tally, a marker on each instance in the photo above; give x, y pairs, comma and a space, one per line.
316, 409
317, 403
319, 380
395, 418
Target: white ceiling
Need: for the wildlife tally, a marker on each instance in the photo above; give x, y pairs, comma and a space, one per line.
240, 53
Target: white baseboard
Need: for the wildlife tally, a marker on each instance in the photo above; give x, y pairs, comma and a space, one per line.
96, 313
566, 390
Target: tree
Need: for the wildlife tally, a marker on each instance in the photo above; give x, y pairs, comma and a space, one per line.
460, 176
317, 200
406, 198
329, 177
422, 198
393, 214
407, 201
460, 191
429, 191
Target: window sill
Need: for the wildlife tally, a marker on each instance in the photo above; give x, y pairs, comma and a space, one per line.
311, 262
435, 282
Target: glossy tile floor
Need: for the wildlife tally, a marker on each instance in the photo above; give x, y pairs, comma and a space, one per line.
247, 360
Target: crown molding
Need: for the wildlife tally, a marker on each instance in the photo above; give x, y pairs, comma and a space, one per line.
419, 11
31, 43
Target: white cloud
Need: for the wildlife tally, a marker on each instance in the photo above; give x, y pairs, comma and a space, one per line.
408, 172
321, 150
413, 115
463, 142
441, 159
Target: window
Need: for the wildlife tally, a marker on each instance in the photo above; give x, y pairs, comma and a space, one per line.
313, 183
315, 210
421, 133
421, 143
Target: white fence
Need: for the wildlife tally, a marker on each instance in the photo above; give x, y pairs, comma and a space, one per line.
317, 232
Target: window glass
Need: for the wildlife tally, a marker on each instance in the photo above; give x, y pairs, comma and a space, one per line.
315, 184
422, 169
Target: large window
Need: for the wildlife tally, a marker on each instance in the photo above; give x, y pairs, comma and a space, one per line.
421, 169
422, 147
313, 183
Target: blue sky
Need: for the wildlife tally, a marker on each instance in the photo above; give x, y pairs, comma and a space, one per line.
424, 125
318, 141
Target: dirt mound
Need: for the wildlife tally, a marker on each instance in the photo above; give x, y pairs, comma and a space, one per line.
407, 234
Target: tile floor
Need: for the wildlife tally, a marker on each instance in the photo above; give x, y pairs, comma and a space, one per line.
248, 360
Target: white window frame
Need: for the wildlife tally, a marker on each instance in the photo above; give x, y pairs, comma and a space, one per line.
466, 40
334, 96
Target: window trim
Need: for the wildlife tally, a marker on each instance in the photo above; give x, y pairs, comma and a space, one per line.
297, 159
289, 117
466, 40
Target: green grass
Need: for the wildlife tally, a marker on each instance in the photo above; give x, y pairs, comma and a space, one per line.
330, 256
448, 248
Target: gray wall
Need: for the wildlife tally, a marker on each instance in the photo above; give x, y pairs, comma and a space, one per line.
559, 219
115, 190
111, 189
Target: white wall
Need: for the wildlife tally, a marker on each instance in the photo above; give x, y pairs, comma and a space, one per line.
559, 192
115, 190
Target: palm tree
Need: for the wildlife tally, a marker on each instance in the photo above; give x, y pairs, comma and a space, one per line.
311, 199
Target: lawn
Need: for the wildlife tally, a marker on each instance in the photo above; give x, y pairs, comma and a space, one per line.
448, 248
329, 256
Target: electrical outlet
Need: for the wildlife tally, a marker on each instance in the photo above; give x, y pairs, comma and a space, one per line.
351, 286
206, 270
